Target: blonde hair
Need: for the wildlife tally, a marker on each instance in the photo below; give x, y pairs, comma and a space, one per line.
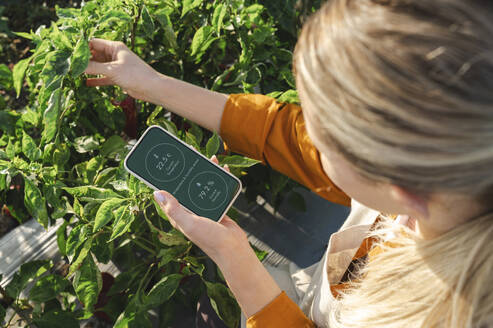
404, 91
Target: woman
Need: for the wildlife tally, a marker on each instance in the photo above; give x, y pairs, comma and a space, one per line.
397, 98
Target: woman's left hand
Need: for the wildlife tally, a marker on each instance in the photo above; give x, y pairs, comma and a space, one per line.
220, 240
227, 245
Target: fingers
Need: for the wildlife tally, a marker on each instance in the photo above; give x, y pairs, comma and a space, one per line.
96, 68
175, 212
96, 82
215, 160
101, 50
101, 45
105, 50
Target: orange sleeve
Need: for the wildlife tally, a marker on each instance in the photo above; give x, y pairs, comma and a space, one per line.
281, 312
259, 127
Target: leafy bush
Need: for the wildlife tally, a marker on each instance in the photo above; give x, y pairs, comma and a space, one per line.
62, 152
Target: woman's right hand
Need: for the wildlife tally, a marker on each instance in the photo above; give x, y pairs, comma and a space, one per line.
119, 66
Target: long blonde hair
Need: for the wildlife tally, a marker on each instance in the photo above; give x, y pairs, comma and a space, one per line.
403, 89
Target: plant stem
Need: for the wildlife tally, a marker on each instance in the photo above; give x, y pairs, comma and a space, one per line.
10, 320
134, 29
138, 243
15, 307
145, 277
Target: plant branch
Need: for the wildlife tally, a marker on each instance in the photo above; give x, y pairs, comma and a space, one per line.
15, 307
134, 29
138, 243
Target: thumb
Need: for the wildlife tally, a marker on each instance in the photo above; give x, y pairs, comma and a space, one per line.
173, 209
97, 68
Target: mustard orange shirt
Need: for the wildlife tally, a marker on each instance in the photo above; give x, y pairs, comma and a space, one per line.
259, 127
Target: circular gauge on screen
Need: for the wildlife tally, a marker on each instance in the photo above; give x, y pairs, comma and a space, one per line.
165, 162
208, 190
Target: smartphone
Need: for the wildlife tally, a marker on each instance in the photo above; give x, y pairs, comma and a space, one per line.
164, 162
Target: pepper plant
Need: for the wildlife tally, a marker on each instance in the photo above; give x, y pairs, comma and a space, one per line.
61, 155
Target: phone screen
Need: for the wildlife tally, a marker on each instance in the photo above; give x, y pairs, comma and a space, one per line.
166, 163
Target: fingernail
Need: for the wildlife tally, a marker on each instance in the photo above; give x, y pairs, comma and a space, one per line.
159, 197
213, 157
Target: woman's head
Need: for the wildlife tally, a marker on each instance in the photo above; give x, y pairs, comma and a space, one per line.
399, 94
403, 90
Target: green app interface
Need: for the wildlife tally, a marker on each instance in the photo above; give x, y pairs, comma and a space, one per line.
168, 164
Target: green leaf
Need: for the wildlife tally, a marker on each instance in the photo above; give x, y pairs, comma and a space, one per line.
57, 65
105, 212
237, 161
123, 220
47, 288
78, 209
212, 146
87, 283
106, 176
201, 41
197, 132
25, 275
25, 35
167, 255
114, 16
163, 290
290, 96
5, 77
10, 149
61, 238
61, 155
224, 303
31, 117
86, 144
80, 57
7, 121
196, 266
77, 236
102, 249
67, 12
59, 38
91, 168
167, 125
154, 115
260, 254
91, 193
18, 74
35, 203
159, 211
169, 34
190, 139
127, 279
218, 17
29, 147
189, 5
56, 319
172, 238
84, 252
51, 116
147, 22
133, 319
112, 145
